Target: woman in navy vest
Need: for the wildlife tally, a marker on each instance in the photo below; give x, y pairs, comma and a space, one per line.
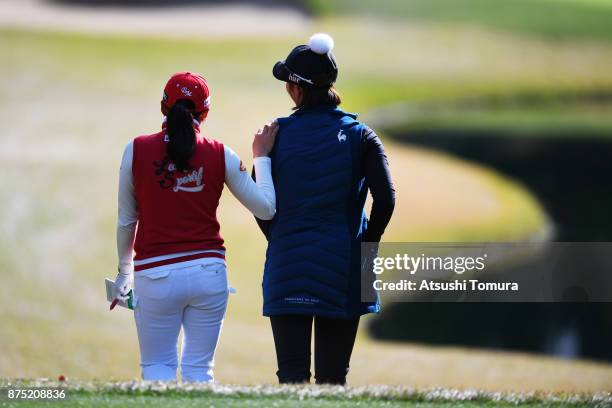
323, 164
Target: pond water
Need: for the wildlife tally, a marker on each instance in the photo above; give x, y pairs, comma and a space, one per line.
572, 178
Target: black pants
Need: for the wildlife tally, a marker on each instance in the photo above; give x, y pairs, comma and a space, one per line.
333, 345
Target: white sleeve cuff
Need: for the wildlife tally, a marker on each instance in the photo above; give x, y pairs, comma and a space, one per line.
258, 197
263, 170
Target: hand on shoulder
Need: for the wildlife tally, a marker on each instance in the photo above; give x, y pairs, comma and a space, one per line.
263, 141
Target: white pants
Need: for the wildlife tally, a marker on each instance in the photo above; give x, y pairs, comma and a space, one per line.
193, 297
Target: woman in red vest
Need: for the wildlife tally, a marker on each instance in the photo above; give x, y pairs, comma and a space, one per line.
168, 235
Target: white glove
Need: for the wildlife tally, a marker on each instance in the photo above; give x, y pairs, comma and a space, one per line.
123, 283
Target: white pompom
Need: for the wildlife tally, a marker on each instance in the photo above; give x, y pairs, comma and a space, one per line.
321, 43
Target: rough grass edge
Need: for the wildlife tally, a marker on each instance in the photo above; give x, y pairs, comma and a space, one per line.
379, 392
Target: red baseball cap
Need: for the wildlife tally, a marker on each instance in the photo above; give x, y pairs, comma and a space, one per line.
187, 85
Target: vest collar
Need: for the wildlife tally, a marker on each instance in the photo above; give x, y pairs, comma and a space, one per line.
334, 110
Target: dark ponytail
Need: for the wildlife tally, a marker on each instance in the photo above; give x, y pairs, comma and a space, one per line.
181, 134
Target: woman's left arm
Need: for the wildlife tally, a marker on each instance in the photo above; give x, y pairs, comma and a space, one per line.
378, 179
258, 197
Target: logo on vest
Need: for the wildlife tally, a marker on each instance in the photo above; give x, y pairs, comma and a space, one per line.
167, 170
193, 177
341, 136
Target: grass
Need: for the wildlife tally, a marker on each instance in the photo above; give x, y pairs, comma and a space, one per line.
585, 122
69, 103
98, 394
553, 19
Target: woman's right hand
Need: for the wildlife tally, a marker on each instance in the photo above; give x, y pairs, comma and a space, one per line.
263, 141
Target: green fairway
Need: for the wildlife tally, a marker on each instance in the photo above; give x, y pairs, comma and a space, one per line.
161, 401
557, 19
584, 122
173, 395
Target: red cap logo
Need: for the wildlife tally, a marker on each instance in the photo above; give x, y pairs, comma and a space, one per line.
187, 85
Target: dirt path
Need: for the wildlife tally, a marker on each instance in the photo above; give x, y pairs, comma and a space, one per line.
198, 21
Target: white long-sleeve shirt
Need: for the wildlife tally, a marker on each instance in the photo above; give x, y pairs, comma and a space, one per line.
259, 198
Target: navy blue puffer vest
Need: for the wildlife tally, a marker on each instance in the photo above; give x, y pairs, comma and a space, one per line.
313, 257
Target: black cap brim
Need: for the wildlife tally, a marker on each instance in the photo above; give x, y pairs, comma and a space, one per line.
280, 71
